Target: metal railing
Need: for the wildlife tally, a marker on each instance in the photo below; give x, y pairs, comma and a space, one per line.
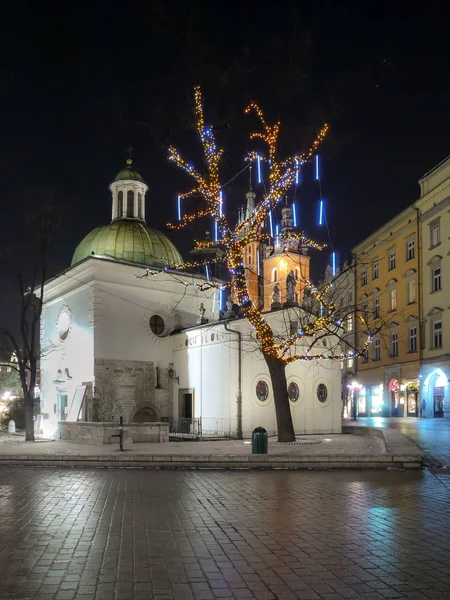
194, 429
184, 428
215, 427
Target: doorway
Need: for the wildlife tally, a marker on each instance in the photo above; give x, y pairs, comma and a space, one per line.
186, 404
61, 407
438, 396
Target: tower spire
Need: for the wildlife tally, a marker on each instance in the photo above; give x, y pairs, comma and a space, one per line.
129, 160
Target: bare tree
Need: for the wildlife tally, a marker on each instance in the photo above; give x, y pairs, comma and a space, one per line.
22, 339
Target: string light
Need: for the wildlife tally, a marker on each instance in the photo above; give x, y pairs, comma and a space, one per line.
294, 214
281, 175
321, 212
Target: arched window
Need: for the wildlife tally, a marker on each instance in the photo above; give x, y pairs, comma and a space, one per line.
274, 275
120, 205
130, 203
140, 206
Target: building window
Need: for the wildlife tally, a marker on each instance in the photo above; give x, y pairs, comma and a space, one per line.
436, 341
293, 327
349, 363
120, 205
274, 275
376, 307
412, 339
436, 279
249, 255
375, 270
157, 325
350, 323
392, 299
391, 260
364, 277
435, 234
410, 250
293, 392
262, 390
322, 392
130, 203
394, 343
376, 348
411, 290
349, 298
140, 206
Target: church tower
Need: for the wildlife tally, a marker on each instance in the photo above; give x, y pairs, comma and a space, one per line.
281, 259
128, 194
252, 252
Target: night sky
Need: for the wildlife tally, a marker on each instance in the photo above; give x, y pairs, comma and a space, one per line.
83, 81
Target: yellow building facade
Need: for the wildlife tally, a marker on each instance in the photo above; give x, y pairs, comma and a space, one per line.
388, 302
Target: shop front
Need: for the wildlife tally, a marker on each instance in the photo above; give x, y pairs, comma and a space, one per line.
411, 390
376, 403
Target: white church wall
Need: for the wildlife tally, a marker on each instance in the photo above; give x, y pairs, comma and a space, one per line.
205, 362
209, 369
67, 353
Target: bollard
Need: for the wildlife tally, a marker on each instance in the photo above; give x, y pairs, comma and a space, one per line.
120, 434
259, 441
11, 426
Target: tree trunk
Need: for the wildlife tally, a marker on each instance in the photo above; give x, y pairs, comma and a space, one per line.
29, 423
277, 370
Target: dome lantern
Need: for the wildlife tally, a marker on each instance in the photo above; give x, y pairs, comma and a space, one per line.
128, 194
127, 237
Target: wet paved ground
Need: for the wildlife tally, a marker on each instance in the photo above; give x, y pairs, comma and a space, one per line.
271, 535
433, 435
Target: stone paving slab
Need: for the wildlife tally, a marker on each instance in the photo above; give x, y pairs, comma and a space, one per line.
324, 451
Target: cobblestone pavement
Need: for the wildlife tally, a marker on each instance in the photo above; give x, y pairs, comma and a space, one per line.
432, 435
176, 535
307, 445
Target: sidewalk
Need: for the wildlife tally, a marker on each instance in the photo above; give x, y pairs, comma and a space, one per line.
360, 447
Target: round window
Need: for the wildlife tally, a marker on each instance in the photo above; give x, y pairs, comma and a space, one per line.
322, 392
293, 392
157, 325
63, 325
262, 390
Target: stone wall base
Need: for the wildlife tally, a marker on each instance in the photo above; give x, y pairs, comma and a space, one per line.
101, 433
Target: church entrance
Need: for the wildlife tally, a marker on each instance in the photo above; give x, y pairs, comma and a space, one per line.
61, 406
186, 404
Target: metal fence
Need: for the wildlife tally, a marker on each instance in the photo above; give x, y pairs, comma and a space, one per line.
215, 427
194, 429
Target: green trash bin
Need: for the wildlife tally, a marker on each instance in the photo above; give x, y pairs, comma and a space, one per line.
259, 441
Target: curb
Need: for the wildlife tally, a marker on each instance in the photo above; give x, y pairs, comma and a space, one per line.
257, 461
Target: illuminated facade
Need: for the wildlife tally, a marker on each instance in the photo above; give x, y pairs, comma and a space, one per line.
403, 292
434, 206
387, 295
267, 265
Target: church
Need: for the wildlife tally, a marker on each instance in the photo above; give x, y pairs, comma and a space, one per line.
146, 342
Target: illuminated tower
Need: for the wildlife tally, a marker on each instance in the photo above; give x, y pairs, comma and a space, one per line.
281, 259
252, 252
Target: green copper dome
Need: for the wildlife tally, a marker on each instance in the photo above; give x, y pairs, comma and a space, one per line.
130, 240
128, 173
